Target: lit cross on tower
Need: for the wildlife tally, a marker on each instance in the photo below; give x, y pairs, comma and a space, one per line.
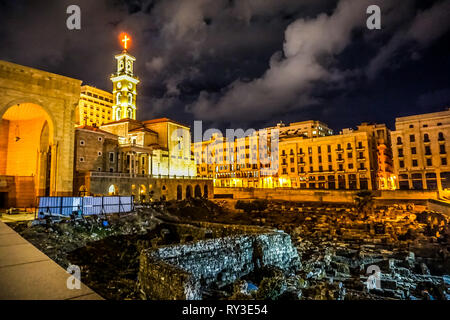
125, 40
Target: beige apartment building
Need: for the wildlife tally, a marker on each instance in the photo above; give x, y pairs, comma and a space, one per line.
332, 162
420, 151
307, 129
94, 108
307, 156
245, 162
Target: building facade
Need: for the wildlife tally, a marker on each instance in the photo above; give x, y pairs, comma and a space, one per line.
128, 156
95, 149
94, 107
249, 161
305, 155
420, 150
307, 129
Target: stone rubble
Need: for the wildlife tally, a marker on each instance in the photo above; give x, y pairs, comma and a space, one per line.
336, 245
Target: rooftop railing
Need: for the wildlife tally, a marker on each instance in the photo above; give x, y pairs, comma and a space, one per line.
128, 175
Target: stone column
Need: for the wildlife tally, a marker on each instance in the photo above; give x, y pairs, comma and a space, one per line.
424, 181
53, 169
439, 181
130, 164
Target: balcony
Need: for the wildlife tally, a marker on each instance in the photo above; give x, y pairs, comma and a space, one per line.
127, 175
339, 150
340, 160
360, 148
361, 159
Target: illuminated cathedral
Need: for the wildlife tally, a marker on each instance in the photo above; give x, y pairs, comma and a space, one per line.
157, 147
107, 152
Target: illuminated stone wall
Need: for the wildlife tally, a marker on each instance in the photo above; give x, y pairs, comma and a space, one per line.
332, 196
180, 271
420, 151
92, 150
23, 154
95, 107
145, 187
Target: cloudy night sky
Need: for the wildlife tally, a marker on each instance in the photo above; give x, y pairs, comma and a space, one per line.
248, 63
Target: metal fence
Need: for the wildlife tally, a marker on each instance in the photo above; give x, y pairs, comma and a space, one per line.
66, 206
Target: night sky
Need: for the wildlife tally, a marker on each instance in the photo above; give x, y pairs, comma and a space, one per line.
248, 63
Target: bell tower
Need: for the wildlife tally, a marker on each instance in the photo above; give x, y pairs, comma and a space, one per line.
124, 84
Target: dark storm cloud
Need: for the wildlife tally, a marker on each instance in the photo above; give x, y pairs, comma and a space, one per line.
228, 61
296, 72
438, 97
426, 27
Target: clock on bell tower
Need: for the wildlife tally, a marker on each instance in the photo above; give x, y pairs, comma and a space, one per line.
124, 84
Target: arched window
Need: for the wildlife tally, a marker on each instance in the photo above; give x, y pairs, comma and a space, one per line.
130, 113
179, 193
130, 98
426, 137
441, 136
399, 140
113, 190
118, 114
118, 98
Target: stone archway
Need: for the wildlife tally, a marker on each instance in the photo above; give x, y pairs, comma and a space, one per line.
83, 191
188, 192
142, 193
197, 191
113, 190
37, 133
26, 140
179, 193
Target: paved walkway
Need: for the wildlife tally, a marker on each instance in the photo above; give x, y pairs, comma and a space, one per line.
28, 274
22, 216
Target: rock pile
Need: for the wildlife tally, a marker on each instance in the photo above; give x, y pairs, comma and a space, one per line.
338, 245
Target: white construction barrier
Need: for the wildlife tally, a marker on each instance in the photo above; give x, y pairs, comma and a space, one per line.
65, 206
